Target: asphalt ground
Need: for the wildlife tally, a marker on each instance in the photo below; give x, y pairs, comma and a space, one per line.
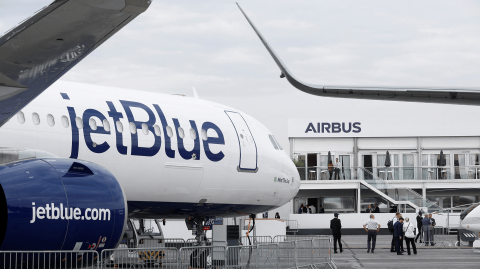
443, 255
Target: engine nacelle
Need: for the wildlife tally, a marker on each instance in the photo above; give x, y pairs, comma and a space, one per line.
59, 204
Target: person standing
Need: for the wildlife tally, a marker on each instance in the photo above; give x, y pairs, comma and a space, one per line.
313, 209
309, 211
372, 227
419, 227
369, 209
321, 209
277, 216
397, 234
330, 169
432, 232
426, 229
300, 210
394, 221
336, 227
409, 232
305, 210
377, 209
338, 165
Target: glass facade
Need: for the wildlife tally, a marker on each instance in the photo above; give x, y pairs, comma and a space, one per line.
455, 166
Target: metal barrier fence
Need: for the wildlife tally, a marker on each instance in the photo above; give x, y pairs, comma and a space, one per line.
49, 259
255, 240
201, 257
139, 258
286, 254
292, 226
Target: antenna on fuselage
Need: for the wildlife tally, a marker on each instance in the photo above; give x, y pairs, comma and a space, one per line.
195, 94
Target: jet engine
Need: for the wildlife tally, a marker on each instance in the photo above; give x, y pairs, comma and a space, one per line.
50, 203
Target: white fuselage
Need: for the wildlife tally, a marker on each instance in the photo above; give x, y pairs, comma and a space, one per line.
158, 178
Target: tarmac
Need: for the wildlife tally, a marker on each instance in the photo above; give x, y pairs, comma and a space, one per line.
443, 255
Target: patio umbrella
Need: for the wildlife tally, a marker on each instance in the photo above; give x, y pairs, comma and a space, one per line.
329, 157
387, 160
442, 159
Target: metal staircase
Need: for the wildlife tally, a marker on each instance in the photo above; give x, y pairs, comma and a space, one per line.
396, 195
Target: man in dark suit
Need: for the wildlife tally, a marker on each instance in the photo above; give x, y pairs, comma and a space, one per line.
336, 226
321, 209
377, 209
398, 234
419, 226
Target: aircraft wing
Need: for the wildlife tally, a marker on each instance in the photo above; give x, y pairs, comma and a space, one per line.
42, 48
445, 95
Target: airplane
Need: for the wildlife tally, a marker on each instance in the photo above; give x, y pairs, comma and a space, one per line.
470, 219
78, 160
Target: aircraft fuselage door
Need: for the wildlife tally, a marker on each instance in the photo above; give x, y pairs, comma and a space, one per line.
246, 143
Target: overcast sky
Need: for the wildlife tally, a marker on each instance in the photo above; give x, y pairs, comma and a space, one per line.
177, 45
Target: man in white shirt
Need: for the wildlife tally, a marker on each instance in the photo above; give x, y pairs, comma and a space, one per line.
338, 165
372, 227
313, 209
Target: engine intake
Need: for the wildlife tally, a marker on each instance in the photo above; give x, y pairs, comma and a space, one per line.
59, 204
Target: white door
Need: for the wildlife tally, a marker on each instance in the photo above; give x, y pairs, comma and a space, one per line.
246, 143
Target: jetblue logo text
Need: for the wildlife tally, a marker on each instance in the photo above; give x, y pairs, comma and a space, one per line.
334, 127
50, 211
136, 150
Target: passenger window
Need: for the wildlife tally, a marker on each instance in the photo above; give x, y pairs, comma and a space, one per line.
93, 124
50, 120
181, 133
204, 135
169, 131
36, 118
133, 128
21, 117
145, 129
65, 121
119, 126
193, 134
278, 144
79, 122
273, 141
157, 130
106, 125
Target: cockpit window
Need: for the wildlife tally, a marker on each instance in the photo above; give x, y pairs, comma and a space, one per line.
272, 139
278, 144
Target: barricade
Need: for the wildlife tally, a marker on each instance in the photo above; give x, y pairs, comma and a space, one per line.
255, 240
267, 256
304, 253
177, 243
292, 226
286, 254
322, 250
139, 258
49, 259
201, 257
241, 257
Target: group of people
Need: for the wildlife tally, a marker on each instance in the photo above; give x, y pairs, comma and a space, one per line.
334, 168
426, 226
401, 228
310, 209
373, 208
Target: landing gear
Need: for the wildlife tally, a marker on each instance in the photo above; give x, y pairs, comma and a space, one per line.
196, 224
200, 258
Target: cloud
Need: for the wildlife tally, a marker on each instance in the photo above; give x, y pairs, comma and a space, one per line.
236, 56
289, 24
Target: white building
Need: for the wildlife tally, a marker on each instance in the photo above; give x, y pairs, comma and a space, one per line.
360, 144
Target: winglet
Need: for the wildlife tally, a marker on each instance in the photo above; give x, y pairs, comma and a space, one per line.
281, 65
195, 94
